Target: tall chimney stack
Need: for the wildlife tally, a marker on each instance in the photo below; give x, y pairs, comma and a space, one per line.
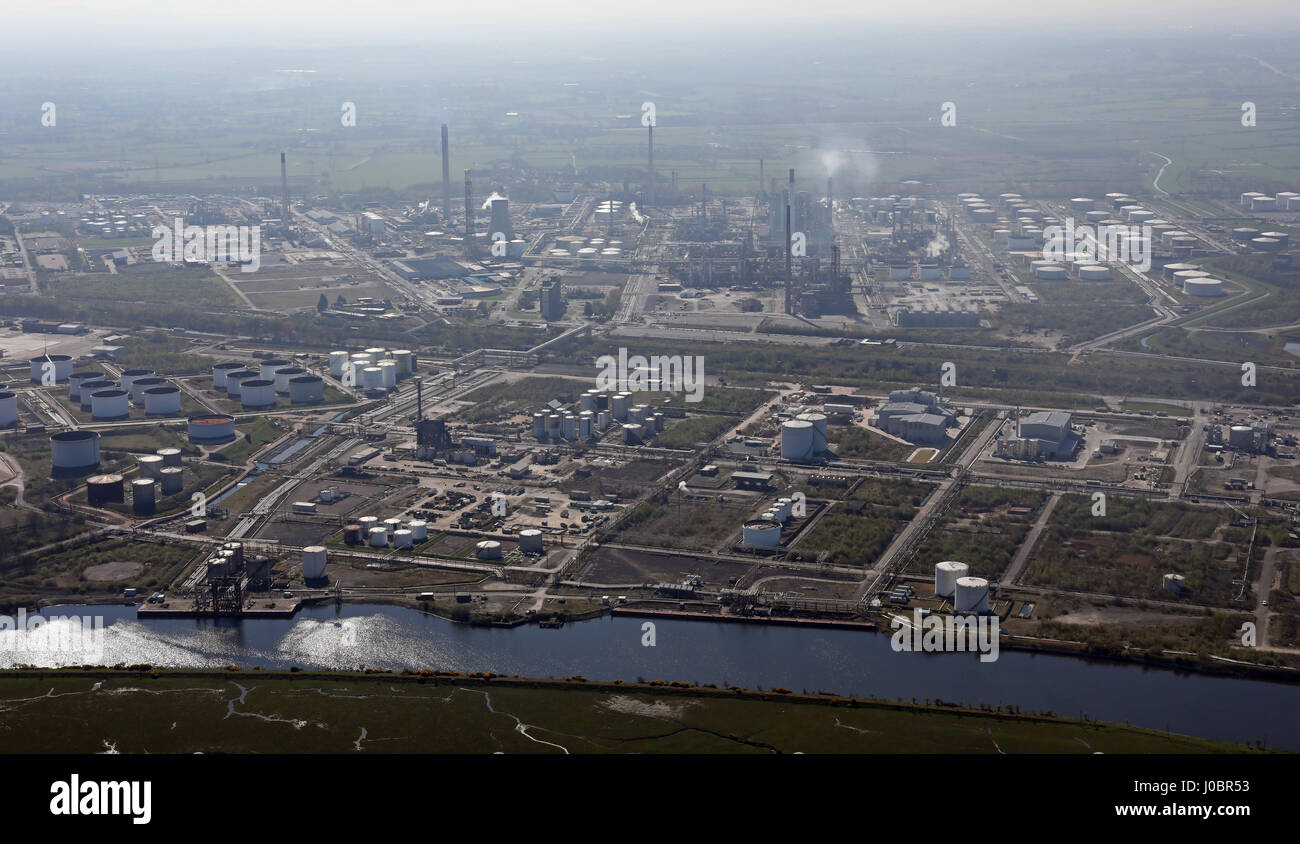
284, 193
651, 128
446, 180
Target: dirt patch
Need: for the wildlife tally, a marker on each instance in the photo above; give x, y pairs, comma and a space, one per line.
656, 709
113, 571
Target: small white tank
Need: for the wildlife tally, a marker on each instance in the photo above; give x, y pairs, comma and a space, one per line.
945, 577
530, 541
971, 595
419, 529
402, 539
313, 562
488, 549
378, 537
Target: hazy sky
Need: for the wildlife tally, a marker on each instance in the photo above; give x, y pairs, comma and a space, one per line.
57, 24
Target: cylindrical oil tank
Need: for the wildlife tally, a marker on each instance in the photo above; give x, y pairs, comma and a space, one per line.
162, 400
76, 379
946, 575
235, 381
151, 465
211, 428
604, 419
74, 449
170, 456
139, 385
368, 522
530, 541
1241, 436
128, 377
267, 369
1203, 287
587, 401
8, 408
553, 425
313, 562
372, 378
797, 440
305, 389
488, 549
585, 424
259, 392
378, 537
110, 404
618, 405
405, 359
539, 425
1094, 272
1054, 272
1281, 237
1081, 204
1265, 244
569, 428
388, 374
392, 525
377, 352
59, 368
284, 375
763, 532
144, 496
1174, 582
1170, 270
1181, 277
783, 508
419, 529
402, 538
102, 489
820, 433
172, 479
360, 360
352, 534
631, 434
971, 595
338, 360
221, 370
88, 388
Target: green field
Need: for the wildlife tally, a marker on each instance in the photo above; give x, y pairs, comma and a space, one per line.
255, 711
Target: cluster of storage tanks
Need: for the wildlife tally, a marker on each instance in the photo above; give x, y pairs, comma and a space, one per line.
597, 411
952, 580
259, 387
1284, 201
804, 437
765, 531
575, 246
160, 474
369, 530
373, 369
104, 399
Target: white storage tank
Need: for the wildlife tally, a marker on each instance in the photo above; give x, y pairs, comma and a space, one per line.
151, 466
798, 438
221, 370
377, 352
162, 400
1094, 272
76, 379
306, 389
110, 404
144, 496
488, 549
59, 365
585, 420
419, 529
172, 479
569, 428
631, 434
259, 392
170, 456
405, 359
211, 428
1203, 287
378, 537
784, 507
372, 378
946, 574
530, 541
603, 420
587, 401
235, 381
139, 385
1081, 204
8, 408
284, 375
1055, 272
314, 559
89, 388
388, 374
268, 368
392, 525
553, 425
971, 595
820, 434
366, 523
1174, 583
338, 361
402, 539
74, 449
761, 532
618, 405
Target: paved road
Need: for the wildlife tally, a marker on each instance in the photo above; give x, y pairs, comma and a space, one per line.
1026, 549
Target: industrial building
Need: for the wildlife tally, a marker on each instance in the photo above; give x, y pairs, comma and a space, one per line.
1047, 434
916, 415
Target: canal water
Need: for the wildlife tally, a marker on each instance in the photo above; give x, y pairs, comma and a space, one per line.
610, 648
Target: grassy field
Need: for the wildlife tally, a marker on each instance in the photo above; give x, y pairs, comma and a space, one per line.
189, 286
253, 711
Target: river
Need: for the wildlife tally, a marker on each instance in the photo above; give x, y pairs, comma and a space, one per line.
610, 648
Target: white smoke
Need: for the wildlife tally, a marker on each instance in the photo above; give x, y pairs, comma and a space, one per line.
636, 215
487, 203
937, 246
